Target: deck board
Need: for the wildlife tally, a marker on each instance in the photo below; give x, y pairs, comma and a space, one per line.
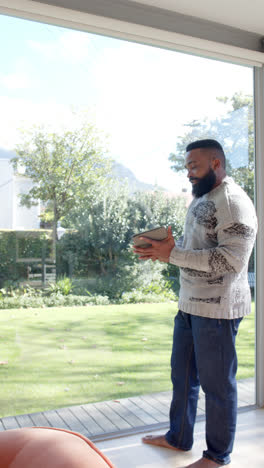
10, 423
88, 422
100, 418
72, 421
54, 420
24, 420
115, 417
112, 415
129, 405
164, 409
127, 415
39, 419
149, 409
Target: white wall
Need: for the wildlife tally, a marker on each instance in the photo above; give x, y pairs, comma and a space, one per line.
6, 194
24, 218
12, 215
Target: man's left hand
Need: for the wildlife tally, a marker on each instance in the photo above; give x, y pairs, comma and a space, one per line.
159, 250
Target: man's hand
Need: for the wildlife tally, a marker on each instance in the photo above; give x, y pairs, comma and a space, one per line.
159, 250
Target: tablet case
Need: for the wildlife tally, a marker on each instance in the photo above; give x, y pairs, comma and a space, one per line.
159, 233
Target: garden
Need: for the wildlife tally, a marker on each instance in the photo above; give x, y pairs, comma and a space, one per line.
63, 356
81, 319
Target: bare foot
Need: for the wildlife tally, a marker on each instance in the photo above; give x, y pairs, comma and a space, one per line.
204, 463
159, 441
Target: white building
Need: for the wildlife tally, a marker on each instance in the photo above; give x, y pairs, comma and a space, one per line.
12, 214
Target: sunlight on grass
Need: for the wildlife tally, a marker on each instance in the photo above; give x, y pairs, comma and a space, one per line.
59, 357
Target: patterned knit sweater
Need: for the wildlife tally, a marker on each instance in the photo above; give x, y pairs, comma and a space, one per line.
213, 254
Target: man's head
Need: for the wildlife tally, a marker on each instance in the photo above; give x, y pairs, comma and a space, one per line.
205, 163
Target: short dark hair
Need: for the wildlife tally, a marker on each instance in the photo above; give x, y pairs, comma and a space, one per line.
208, 144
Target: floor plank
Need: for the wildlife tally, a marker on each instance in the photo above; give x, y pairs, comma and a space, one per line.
72, 421
138, 412
88, 422
100, 418
157, 404
126, 415
10, 423
39, 419
24, 420
151, 410
54, 420
112, 415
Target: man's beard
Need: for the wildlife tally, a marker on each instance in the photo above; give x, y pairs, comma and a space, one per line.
204, 184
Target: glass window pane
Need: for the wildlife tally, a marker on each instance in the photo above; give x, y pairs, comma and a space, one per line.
92, 145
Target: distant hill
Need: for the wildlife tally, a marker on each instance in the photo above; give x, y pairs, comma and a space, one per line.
6, 154
122, 173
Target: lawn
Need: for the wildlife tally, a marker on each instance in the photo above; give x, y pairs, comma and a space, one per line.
57, 357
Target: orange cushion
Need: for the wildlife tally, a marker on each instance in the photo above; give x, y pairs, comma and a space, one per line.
48, 447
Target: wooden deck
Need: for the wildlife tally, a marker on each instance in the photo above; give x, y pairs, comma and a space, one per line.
115, 418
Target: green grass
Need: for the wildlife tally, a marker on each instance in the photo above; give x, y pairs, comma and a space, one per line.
60, 357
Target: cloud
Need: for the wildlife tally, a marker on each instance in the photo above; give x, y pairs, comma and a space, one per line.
19, 113
19, 77
71, 46
18, 80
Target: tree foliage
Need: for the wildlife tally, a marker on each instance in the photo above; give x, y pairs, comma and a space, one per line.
63, 166
106, 220
235, 131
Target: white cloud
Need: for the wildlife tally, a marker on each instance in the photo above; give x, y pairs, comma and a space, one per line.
71, 46
145, 96
16, 80
19, 77
17, 114
149, 95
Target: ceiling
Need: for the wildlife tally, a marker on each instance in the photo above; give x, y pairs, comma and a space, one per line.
243, 14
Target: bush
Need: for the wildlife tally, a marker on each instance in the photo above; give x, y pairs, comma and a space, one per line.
132, 282
136, 296
130, 275
62, 286
54, 300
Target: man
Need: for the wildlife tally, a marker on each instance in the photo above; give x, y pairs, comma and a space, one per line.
219, 235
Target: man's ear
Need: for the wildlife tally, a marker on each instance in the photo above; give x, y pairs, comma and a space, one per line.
216, 164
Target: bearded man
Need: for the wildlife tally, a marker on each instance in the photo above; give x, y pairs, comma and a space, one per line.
213, 255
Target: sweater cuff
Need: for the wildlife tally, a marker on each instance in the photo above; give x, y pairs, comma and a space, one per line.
177, 256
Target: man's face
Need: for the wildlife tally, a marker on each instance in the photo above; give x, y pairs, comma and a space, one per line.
200, 172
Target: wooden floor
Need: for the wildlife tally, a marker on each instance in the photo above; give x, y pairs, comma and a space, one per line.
115, 418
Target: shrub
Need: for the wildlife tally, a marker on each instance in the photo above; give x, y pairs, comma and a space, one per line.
137, 296
62, 286
54, 300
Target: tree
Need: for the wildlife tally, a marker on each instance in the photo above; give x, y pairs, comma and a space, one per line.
103, 227
103, 223
152, 209
63, 167
235, 131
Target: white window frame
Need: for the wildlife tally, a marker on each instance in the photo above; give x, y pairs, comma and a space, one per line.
73, 19
259, 194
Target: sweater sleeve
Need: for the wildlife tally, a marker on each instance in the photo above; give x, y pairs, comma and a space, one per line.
235, 243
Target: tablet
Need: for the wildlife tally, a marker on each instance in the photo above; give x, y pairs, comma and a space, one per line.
159, 233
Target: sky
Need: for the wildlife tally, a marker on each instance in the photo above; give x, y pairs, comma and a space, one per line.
140, 96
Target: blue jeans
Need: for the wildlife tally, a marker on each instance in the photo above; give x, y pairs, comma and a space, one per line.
204, 354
